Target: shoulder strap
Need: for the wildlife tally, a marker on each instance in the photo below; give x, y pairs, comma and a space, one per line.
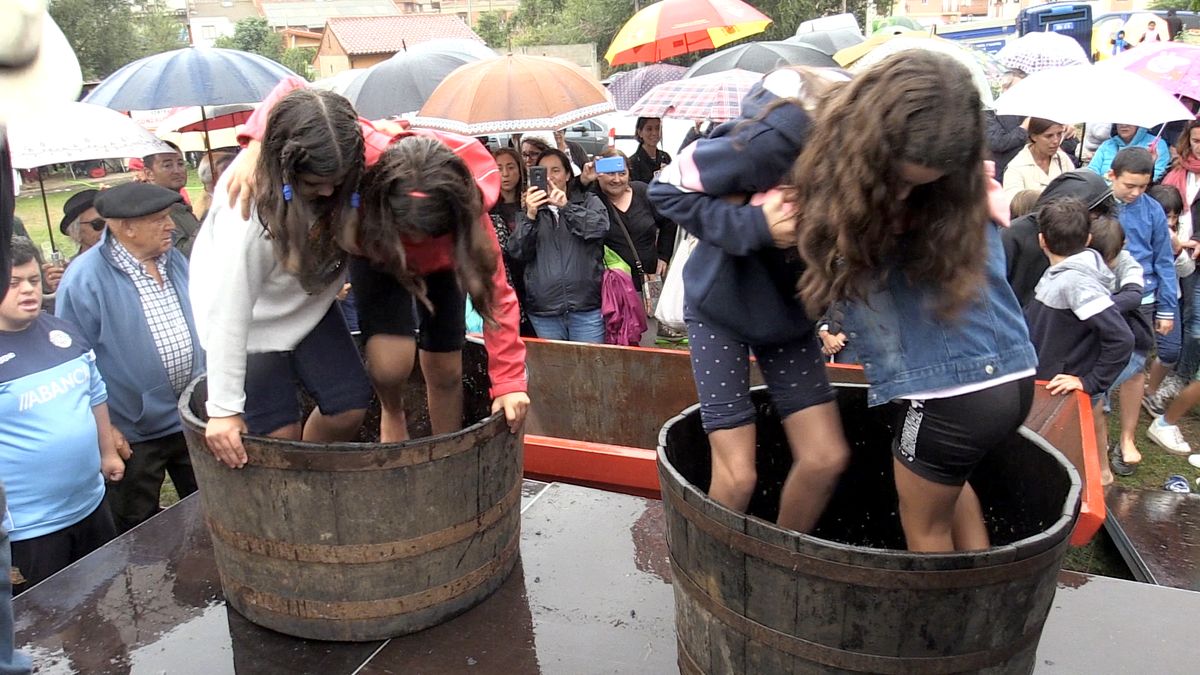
637, 259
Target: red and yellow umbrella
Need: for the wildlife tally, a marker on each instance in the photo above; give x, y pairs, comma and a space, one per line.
674, 27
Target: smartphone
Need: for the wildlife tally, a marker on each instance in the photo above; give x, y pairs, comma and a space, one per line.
537, 178
610, 165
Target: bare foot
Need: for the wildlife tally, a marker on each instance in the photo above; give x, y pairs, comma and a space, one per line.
1130, 454
1106, 477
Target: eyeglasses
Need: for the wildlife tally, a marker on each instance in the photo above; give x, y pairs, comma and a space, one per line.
531, 155
97, 224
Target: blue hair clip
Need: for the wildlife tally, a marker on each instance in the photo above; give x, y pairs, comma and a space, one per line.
355, 200
287, 192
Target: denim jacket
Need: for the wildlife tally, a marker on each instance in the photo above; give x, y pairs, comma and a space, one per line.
905, 348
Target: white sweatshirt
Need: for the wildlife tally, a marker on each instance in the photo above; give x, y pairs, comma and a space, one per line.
244, 301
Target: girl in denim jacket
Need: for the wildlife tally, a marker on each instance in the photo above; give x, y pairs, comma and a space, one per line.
898, 221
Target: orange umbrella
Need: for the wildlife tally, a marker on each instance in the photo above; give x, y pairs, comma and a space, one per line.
512, 94
674, 27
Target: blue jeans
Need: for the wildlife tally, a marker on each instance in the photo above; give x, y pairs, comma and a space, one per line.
573, 326
11, 662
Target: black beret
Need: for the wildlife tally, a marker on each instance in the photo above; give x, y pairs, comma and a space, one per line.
78, 203
134, 200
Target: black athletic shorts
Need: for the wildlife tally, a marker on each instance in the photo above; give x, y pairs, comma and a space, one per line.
385, 307
943, 439
36, 559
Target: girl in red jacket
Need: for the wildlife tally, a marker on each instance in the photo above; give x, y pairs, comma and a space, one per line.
422, 242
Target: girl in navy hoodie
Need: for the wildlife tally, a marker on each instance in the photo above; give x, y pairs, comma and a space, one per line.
740, 297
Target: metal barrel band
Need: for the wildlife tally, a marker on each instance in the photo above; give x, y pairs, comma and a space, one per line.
876, 577
360, 554
840, 658
687, 664
355, 457
369, 609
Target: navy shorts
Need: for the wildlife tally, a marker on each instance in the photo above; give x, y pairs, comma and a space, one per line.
943, 439
794, 373
326, 363
385, 307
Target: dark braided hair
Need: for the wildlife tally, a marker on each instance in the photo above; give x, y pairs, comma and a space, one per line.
420, 188
915, 107
309, 132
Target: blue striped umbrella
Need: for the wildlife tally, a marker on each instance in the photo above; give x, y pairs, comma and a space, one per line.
187, 77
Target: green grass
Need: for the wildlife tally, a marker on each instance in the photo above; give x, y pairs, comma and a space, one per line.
31, 211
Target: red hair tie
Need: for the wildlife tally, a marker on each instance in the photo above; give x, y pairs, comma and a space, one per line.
417, 193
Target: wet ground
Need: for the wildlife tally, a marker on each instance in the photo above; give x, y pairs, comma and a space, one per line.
591, 594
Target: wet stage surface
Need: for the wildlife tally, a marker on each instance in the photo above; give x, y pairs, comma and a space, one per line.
590, 594
1158, 535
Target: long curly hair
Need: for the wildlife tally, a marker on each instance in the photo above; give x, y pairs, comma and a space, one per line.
915, 107
1184, 144
420, 189
309, 132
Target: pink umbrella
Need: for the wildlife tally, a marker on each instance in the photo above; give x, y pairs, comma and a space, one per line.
1174, 66
717, 97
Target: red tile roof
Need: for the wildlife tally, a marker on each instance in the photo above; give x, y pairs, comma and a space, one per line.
389, 34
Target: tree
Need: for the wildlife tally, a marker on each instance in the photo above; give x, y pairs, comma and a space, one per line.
494, 28
157, 30
300, 59
255, 36
101, 32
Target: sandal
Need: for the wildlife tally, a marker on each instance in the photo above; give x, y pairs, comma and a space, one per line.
1117, 460
1177, 483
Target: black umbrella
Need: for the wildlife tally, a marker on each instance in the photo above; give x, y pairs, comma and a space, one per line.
828, 41
761, 57
404, 82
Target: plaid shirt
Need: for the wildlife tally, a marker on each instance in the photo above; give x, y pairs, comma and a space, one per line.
164, 314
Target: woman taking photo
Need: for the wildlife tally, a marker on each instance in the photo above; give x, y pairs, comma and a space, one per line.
1040, 161
560, 240
630, 210
648, 158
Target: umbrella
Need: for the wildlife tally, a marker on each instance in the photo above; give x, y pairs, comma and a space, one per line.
761, 57
1035, 52
882, 24
1137, 27
717, 97
672, 27
628, 86
1078, 93
1174, 66
404, 82
828, 41
513, 94
74, 132
338, 83
974, 60
210, 118
190, 76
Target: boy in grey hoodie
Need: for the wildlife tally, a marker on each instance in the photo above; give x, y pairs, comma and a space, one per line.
1082, 341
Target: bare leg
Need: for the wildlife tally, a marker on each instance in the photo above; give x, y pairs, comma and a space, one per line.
444, 389
819, 455
1158, 373
340, 427
1185, 401
733, 471
389, 363
289, 433
927, 511
970, 531
1130, 396
1100, 422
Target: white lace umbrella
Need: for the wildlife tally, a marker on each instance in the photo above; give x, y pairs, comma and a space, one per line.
75, 132
1035, 52
1079, 93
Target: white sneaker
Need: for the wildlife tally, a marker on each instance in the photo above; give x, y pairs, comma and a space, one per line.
1194, 460
1168, 436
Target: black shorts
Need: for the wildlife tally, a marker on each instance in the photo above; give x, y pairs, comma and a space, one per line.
40, 557
385, 307
326, 363
943, 439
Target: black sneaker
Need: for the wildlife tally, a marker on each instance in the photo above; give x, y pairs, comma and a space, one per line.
1117, 461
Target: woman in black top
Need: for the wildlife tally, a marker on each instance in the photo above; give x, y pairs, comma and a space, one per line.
649, 158
504, 217
627, 204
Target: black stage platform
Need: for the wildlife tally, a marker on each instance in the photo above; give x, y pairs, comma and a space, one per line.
590, 595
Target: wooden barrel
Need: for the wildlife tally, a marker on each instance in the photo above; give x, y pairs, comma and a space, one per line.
361, 541
753, 598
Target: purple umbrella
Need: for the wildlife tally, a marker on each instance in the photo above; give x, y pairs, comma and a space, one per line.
628, 86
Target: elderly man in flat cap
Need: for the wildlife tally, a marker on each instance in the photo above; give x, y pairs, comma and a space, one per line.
146, 357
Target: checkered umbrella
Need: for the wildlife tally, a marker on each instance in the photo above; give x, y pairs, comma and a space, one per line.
630, 85
717, 97
1035, 52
